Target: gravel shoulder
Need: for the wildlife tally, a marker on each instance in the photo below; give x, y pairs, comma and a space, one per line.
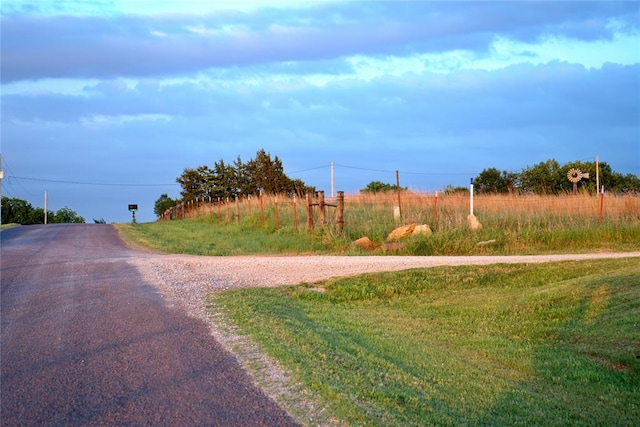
187, 280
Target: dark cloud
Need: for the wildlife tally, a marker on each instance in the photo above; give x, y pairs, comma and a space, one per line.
38, 46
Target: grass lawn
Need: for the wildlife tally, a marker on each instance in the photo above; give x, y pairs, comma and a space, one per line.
544, 344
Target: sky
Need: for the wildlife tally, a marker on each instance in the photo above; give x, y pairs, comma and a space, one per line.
105, 103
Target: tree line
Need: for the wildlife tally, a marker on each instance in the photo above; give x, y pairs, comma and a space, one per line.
264, 174
18, 211
549, 177
223, 181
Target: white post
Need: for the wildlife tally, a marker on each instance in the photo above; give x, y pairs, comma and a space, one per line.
46, 198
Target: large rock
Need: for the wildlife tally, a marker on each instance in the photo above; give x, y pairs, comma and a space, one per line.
401, 232
365, 243
473, 223
423, 229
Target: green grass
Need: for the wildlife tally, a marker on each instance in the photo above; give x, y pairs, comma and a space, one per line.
207, 237
543, 344
203, 237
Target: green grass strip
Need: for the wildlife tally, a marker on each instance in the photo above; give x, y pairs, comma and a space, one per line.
545, 344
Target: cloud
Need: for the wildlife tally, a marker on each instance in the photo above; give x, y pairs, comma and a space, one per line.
62, 46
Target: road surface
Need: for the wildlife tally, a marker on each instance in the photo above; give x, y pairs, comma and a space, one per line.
85, 341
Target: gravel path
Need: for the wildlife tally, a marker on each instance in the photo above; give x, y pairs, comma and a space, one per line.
188, 279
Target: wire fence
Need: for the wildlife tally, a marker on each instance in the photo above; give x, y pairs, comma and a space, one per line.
438, 211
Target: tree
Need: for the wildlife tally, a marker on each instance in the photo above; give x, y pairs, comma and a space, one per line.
379, 187
17, 211
491, 180
543, 178
67, 216
163, 203
196, 183
268, 175
230, 180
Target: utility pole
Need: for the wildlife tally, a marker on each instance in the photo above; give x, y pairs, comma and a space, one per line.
46, 202
333, 186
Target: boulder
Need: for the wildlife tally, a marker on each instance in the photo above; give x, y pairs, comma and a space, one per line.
423, 229
401, 232
473, 223
365, 243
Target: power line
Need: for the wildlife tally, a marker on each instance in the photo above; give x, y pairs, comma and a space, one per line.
388, 171
90, 183
408, 173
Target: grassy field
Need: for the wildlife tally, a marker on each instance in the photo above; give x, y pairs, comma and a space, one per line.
511, 225
545, 344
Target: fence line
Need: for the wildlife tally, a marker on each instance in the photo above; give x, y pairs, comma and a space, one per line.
439, 211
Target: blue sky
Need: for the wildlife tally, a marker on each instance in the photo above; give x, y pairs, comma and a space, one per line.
104, 103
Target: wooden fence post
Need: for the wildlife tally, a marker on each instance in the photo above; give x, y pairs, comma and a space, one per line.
321, 205
398, 187
435, 212
261, 210
228, 212
295, 213
237, 210
309, 213
277, 217
340, 212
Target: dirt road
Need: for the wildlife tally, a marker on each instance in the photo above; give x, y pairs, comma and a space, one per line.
86, 342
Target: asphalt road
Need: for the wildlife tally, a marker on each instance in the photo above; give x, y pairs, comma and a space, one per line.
84, 341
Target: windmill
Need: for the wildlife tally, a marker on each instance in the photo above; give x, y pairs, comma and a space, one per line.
575, 175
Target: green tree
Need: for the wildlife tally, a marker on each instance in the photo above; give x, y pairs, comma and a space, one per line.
67, 216
163, 203
229, 180
268, 174
491, 180
543, 178
17, 211
379, 187
225, 181
196, 183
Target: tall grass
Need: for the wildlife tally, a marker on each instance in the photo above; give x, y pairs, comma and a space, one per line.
511, 224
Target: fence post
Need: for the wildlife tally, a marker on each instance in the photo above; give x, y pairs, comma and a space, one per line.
435, 212
261, 210
398, 187
340, 212
219, 205
249, 205
228, 211
277, 217
295, 213
321, 205
237, 210
601, 205
309, 213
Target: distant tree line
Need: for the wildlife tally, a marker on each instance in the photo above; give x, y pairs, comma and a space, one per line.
550, 177
228, 180
18, 211
544, 178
